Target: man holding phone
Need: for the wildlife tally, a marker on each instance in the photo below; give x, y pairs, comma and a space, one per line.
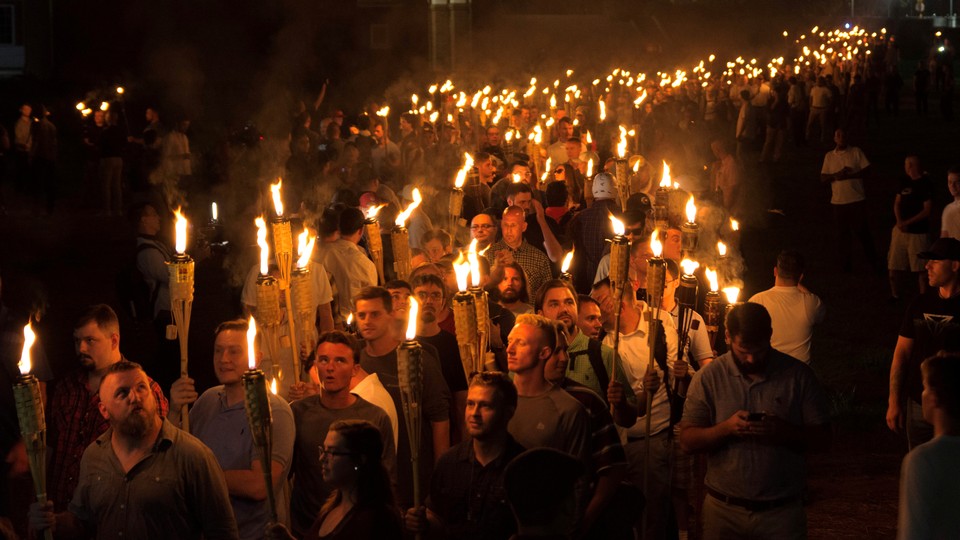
754, 411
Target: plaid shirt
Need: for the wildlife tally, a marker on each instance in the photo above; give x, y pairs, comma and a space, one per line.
73, 414
590, 229
534, 262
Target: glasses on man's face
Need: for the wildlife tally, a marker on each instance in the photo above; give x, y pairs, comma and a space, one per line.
432, 297
332, 453
483, 227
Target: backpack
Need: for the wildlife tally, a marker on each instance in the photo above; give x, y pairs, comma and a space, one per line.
594, 354
136, 296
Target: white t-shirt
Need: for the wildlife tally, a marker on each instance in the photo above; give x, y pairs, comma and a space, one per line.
793, 314
847, 190
950, 223
634, 356
372, 390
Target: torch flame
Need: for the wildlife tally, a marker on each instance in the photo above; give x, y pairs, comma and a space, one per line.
81, 106
462, 173
622, 145
691, 211
734, 224
29, 338
721, 249
589, 167
181, 232
402, 216
462, 268
565, 266
412, 315
655, 246
618, 227
374, 210
636, 166
305, 243
120, 90
665, 181
213, 211
589, 137
732, 294
277, 201
474, 263
384, 112
689, 266
516, 178
264, 247
251, 341
712, 278
273, 386
603, 110
553, 101
104, 106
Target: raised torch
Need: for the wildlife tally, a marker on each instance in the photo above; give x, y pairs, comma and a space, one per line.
661, 200
690, 231
456, 195
283, 251
180, 270
268, 301
484, 360
371, 228
619, 282
410, 376
656, 280
565, 267
465, 318
622, 170
400, 238
33, 426
257, 404
711, 306
302, 288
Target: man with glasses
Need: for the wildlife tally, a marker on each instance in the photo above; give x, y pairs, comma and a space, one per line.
513, 248
337, 362
429, 291
483, 229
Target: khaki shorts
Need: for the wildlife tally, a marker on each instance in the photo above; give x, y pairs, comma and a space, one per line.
904, 248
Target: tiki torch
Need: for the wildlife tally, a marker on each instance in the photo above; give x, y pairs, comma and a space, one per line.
565, 267
257, 404
619, 282
371, 227
686, 302
268, 300
690, 231
711, 306
303, 299
465, 318
283, 251
410, 375
180, 270
733, 295
622, 169
656, 279
33, 426
456, 195
483, 360
661, 200
400, 238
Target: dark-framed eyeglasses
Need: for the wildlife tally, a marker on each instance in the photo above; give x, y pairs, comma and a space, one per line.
324, 452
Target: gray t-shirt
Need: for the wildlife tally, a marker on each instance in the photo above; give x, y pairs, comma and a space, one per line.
554, 419
745, 468
226, 431
313, 421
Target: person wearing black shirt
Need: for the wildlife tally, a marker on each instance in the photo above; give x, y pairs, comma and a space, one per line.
909, 237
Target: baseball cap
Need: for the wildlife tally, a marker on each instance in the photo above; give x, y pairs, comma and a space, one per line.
942, 249
603, 187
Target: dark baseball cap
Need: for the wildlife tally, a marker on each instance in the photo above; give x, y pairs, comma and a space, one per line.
942, 249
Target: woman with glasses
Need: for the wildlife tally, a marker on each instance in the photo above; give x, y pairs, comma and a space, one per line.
361, 505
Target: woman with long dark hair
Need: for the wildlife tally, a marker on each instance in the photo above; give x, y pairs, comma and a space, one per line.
361, 504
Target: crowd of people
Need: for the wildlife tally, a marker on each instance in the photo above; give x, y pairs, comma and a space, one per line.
611, 405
